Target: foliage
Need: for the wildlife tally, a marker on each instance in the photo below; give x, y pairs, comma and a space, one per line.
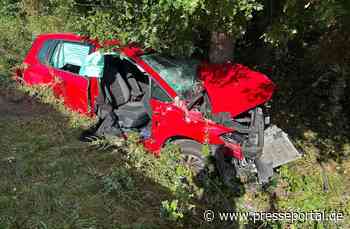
174, 176
305, 20
174, 27
9, 7
21, 21
171, 211
14, 40
118, 182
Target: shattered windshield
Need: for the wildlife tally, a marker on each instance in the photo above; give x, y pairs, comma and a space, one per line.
180, 74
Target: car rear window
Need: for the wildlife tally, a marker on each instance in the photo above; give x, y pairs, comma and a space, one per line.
70, 56
44, 53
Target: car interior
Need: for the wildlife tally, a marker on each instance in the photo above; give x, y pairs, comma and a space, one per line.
71, 68
123, 85
127, 89
67, 56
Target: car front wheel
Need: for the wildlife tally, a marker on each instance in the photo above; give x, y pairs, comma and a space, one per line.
191, 156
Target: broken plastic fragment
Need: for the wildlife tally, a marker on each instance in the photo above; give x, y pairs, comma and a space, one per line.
93, 65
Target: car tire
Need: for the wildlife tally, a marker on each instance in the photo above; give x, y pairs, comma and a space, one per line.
191, 156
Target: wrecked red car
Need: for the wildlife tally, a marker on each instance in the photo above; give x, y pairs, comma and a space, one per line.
168, 100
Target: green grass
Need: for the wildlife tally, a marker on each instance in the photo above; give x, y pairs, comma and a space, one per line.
50, 179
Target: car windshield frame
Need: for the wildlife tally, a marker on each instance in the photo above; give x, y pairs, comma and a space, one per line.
179, 74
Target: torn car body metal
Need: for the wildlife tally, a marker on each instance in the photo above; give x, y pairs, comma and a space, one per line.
166, 99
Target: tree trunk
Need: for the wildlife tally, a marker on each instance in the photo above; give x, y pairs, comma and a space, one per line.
338, 94
31, 7
221, 48
338, 91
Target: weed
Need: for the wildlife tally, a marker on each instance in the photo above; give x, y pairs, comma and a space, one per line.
118, 181
171, 210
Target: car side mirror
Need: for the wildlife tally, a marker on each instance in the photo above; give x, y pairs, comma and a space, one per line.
93, 65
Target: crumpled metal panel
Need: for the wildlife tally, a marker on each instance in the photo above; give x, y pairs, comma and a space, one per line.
235, 88
278, 148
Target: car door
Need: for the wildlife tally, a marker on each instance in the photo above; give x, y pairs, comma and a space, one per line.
66, 61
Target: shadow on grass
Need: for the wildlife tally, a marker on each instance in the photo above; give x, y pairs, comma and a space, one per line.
50, 178
303, 110
301, 107
306, 112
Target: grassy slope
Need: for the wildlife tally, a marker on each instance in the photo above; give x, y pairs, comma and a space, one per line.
51, 179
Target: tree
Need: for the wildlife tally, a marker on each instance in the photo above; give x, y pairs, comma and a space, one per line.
321, 26
8, 7
178, 27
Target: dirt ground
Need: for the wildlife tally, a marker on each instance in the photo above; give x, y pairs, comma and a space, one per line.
16, 105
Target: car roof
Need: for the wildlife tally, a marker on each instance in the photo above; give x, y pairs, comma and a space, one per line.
59, 36
131, 49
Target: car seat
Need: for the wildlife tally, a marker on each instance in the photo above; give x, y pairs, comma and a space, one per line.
130, 114
136, 91
117, 90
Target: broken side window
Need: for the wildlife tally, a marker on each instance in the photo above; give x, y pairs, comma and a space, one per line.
93, 65
159, 93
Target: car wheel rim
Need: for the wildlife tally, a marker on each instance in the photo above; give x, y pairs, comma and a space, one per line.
192, 162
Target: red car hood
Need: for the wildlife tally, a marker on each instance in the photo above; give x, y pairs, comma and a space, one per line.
235, 88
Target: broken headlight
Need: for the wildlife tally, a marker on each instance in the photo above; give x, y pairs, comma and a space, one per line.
267, 111
233, 137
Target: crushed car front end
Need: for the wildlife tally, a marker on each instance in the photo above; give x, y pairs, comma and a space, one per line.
239, 99
225, 106
263, 146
